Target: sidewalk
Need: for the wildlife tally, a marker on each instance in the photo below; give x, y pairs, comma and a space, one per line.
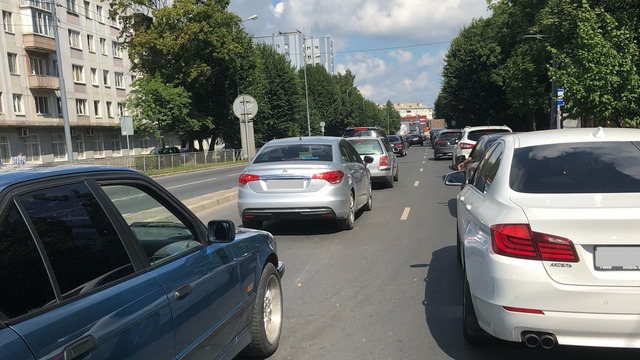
206, 202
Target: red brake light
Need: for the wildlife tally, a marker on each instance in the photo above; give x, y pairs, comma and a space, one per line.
464, 145
246, 178
332, 177
384, 160
517, 240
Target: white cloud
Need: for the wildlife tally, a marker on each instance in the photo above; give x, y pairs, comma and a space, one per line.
428, 59
363, 66
278, 9
402, 56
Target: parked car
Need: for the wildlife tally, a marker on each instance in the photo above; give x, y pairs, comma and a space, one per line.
547, 232
445, 142
433, 134
416, 139
384, 167
374, 131
397, 145
470, 164
470, 136
165, 150
104, 263
305, 178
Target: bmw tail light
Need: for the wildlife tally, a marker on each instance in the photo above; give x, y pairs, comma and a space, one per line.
384, 161
466, 146
332, 177
247, 178
517, 240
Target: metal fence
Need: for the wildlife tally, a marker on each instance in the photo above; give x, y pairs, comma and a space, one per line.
166, 161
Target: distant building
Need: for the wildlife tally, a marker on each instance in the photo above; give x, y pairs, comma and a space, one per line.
301, 50
413, 115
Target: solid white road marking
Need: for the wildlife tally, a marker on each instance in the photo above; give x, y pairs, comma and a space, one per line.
191, 183
405, 214
416, 183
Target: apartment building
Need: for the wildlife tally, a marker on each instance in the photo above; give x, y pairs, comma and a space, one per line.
414, 116
96, 73
300, 50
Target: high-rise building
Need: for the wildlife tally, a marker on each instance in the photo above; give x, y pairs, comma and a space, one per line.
299, 49
96, 73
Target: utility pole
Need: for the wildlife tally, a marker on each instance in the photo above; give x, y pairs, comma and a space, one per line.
63, 92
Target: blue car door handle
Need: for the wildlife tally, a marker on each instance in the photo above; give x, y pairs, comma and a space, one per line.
182, 291
80, 347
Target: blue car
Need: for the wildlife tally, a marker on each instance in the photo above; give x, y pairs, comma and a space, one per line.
103, 263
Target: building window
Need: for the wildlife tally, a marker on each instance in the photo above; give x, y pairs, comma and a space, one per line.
59, 103
13, 63
105, 78
119, 80
109, 109
72, 6
99, 13
133, 78
121, 110
7, 21
5, 149
81, 106
1, 102
98, 146
115, 144
42, 23
32, 143
103, 46
42, 105
94, 76
38, 66
78, 146
96, 108
87, 10
17, 104
54, 67
58, 144
74, 39
78, 73
91, 43
116, 49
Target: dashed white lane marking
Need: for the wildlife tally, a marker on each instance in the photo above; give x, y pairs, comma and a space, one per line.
405, 214
416, 183
421, 169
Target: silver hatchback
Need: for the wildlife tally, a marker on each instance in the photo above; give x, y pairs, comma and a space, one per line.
384, 167
305, 178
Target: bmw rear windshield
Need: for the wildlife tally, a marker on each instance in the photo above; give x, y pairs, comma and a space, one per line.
605, 167
295, 152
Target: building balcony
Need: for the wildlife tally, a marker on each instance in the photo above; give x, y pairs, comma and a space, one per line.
43, 82
39, 42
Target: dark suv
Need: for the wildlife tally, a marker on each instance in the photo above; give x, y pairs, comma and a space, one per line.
373, 131
104, 263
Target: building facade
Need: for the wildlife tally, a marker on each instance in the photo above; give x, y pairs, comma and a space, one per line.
300, 50
414, 116
96, 74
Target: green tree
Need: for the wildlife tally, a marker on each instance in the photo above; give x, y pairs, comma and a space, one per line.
158, 108
323, 97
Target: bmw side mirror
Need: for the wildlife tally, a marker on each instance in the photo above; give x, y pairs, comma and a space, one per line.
221, 231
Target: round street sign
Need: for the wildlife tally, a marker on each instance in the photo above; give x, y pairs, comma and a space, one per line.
245, 107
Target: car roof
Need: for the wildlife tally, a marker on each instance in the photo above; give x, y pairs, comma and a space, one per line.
11, 175
304, 140
485, 127
544, 137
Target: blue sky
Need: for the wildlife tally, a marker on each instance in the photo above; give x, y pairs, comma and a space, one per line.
395, 48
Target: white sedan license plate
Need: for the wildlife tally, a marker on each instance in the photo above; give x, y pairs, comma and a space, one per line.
288, 184
617, 258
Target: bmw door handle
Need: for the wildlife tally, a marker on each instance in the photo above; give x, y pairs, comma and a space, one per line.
80, 347
182, 291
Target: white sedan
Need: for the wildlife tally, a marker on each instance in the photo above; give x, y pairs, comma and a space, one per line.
548, 235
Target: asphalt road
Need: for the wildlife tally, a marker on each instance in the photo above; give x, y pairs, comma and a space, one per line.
391, 287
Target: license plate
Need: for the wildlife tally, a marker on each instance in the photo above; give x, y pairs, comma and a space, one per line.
294, 184
617, 258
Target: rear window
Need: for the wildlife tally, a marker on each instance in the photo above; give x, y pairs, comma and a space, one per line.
449, 135
295, 152
476, 134
367, 146
356, 132
606, 167
394, 139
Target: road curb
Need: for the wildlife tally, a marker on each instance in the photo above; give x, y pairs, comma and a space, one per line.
206, 202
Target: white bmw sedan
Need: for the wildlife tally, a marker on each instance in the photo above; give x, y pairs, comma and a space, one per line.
548, 234
320, 177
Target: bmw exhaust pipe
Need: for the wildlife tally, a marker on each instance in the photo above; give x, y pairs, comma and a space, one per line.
531, 339
548, 341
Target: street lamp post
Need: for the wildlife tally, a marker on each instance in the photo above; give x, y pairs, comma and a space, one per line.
250, 18
304, 69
